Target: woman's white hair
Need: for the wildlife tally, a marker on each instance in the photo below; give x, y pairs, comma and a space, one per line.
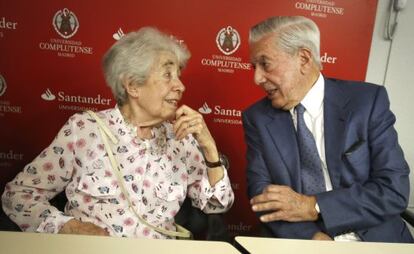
291, 34
133, 56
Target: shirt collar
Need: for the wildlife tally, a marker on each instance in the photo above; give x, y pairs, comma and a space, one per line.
313, 100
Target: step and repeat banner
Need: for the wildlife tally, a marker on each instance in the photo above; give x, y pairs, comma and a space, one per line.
50, 66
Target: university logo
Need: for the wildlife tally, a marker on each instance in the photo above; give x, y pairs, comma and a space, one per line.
48, 95
118, 34
205, 109
3, 85
65, 23
228, 40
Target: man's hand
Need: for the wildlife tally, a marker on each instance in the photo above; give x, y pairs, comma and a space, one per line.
321, 236
74, 226
284, 204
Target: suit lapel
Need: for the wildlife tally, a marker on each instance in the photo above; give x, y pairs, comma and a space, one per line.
283, 135
336, 116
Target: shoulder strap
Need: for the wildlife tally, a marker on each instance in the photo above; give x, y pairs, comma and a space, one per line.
105, 132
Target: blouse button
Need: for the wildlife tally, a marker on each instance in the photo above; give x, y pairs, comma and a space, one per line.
139, 177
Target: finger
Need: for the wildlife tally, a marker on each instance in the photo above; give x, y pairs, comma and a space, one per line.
191, 129
181, 121
93, 229
276, 188
267, 206
275, 216
264, 197
281, 215
181, 131
187, 126
183, 110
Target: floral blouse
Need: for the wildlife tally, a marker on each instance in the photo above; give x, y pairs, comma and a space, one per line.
158, 174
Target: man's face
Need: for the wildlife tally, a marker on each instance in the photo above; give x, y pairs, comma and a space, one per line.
278, 73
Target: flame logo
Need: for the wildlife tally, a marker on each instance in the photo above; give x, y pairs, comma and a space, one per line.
48, 95
118, 35
205, 109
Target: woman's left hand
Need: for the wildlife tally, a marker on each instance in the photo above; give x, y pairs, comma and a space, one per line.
189, 121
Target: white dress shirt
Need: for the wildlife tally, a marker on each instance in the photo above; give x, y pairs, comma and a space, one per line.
313, 116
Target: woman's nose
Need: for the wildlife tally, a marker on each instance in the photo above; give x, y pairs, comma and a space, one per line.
259, 78
179, 86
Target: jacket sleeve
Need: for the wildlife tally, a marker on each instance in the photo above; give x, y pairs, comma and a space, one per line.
258, 177
384, 193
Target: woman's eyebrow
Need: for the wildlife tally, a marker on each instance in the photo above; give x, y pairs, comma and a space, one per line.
168, 63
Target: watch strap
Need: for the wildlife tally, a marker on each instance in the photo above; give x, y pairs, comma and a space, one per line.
215, 163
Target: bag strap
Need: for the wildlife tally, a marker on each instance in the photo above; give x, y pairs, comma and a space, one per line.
105, 132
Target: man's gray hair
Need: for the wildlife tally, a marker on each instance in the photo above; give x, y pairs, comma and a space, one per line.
133, 56
291, 34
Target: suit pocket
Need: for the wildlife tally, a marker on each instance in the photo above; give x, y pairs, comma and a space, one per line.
357, 155
358, 164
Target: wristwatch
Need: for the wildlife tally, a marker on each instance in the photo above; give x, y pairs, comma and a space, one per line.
223, 161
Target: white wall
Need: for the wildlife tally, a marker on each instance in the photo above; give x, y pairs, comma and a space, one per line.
400, 77
399, 80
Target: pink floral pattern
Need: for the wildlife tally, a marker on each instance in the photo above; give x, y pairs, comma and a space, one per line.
158, 180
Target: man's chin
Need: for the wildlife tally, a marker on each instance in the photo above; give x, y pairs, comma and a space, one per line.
277, 104
282, 105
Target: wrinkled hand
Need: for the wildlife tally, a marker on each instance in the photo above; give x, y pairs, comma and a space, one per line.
284, 204
77, 227
321, 236
189, 121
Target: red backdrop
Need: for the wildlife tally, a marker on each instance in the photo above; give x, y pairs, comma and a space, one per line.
37, 64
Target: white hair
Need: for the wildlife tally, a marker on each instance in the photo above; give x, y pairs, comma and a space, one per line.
291, 34
133, 56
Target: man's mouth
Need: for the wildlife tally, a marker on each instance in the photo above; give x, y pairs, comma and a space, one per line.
271, 92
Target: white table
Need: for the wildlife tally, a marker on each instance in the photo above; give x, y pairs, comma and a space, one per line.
33, 243
259, 245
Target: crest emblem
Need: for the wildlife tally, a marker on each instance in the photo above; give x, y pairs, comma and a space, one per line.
3, 85
228, 40
65, 23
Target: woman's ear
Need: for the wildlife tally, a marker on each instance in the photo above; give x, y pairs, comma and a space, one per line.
131, 88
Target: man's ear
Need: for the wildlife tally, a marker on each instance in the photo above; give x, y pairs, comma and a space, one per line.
306, 60
131, 88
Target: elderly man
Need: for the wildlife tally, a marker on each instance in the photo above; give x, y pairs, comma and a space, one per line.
324, 161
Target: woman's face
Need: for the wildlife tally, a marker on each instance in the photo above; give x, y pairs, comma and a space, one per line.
159, 95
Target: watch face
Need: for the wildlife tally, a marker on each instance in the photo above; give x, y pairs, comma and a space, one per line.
224, 161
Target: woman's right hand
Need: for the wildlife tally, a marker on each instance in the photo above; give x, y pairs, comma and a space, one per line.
77, 227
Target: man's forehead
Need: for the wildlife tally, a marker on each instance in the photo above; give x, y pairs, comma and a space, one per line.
258, 54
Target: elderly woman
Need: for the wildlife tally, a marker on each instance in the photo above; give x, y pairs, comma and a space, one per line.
162, 153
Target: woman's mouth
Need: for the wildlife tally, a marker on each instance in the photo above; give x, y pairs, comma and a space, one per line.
173, 102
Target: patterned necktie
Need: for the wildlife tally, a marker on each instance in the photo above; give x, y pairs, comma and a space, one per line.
311, 165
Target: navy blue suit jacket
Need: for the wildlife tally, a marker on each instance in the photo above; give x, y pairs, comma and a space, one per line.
365, 162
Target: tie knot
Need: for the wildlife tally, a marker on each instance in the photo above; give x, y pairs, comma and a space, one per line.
300, 109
